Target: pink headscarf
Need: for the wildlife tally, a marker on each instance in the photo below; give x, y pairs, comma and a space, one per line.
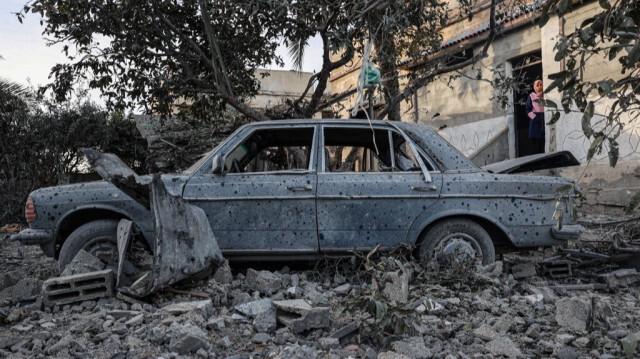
537, 107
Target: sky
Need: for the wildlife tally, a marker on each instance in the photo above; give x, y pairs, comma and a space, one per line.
28, 59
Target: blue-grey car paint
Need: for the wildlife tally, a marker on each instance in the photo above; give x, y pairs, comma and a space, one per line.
520, 207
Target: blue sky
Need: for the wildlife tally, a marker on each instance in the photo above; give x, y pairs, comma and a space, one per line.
27, 58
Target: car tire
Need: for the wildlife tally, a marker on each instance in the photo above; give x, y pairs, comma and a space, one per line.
457, 234
94, 237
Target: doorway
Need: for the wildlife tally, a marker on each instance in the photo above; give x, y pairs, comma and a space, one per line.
527, 68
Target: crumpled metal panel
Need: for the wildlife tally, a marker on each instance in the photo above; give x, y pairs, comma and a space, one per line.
184, 242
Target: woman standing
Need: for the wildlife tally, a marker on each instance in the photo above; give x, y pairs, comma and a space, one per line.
535, 111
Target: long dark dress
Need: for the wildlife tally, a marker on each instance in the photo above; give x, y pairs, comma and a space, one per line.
536, 125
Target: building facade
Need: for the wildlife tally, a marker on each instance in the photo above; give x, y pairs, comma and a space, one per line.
464, 112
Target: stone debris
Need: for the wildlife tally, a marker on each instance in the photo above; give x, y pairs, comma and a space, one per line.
626, 276
523, 270
334, 311
202, 307
299, 316
83, 262
573, 314
223, 274
263, 281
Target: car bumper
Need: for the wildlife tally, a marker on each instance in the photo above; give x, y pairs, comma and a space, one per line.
33, 236
568, 232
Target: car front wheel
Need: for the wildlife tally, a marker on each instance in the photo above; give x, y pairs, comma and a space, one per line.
457, 239
98, 238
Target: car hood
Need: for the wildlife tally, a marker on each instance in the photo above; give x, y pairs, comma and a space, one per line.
535, 162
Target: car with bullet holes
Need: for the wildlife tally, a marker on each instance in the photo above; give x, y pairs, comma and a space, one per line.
301, 189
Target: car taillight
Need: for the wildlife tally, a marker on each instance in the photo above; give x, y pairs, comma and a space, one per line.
30, 211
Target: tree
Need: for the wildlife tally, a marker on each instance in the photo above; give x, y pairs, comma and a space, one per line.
615, 34
42, 138
205, 52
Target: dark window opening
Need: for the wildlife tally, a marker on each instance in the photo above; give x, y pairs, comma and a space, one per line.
272, 150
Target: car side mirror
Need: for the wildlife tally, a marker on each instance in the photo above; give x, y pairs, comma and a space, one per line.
217, 167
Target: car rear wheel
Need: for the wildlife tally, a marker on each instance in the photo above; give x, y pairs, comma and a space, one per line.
98, 238
457, 239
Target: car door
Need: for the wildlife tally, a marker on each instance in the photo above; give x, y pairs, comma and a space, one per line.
375, 199
265, 203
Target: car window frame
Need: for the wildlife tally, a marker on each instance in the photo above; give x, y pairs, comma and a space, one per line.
390, 131
230, 145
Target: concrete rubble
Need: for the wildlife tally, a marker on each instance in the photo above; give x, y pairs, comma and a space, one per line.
335, 312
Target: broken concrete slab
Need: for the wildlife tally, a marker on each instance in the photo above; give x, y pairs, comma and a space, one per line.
263, 281
573, 313
346, 330
186, 339
523, 270
299, 316
265, 321
503, 346
83, 262
26, 289
78, 287
202, 307
251, 309
9, 279
396, 286
620, 277
485, 333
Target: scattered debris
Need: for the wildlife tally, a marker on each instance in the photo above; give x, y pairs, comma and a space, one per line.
337, 312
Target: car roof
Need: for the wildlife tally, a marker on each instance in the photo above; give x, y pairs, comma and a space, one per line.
317, 121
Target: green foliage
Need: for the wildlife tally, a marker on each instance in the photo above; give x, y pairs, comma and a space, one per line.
614, 33
161, 54
41, 141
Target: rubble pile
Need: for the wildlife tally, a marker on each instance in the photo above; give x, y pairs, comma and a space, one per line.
381, 306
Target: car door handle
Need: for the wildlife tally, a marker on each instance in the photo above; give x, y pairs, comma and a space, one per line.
299, 188
424, 188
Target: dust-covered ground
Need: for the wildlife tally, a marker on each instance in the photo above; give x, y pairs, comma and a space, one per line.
380, 307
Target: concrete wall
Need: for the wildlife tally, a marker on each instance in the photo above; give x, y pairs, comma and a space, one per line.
278, 86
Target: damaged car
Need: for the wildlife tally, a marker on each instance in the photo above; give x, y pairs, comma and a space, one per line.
301, 189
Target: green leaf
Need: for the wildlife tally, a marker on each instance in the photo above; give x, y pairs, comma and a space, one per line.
548, 103
586, 120
558, 75
614, 152
634, 204
604, 4
544, 14
595, 146
554, 118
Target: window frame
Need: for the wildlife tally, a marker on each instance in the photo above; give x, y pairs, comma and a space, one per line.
390, 131
231, 145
